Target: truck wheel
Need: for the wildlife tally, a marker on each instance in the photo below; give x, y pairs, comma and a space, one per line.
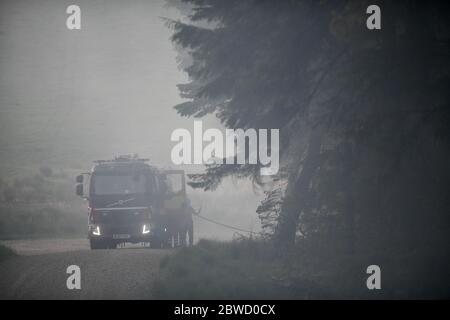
155, 243
97, 244
183, 235
191, 234
111, 245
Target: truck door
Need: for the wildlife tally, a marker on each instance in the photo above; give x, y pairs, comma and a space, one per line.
177, 210
175, 191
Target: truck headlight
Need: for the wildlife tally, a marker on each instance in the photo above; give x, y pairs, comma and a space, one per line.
96, 231
145, 229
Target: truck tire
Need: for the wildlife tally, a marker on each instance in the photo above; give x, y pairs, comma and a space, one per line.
191, 234
97, 244
111, 245
183, 236
155, 243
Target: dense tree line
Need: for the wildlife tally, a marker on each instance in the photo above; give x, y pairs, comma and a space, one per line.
363, 114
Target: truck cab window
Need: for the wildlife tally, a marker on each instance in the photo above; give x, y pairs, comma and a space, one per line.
119, 184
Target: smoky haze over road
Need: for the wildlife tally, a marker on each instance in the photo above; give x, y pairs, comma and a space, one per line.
68, 97
39, 271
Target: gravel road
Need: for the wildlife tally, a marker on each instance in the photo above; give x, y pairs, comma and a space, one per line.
39, 270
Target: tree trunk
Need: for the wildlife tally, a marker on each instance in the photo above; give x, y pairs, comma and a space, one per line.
297, 193
349, 209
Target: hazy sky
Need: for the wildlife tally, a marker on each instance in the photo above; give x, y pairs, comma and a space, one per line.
70, 96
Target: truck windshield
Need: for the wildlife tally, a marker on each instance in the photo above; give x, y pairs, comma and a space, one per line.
119, 184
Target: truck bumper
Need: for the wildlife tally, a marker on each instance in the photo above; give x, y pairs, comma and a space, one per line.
130, 233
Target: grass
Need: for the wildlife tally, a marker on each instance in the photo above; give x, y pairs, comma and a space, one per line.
251, 269
217, 270
6, 253
40, 222
40, 205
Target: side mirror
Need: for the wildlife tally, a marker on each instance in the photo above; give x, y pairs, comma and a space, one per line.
80, 178
79, 190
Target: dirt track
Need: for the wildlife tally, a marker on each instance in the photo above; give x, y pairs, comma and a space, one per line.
39, 270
